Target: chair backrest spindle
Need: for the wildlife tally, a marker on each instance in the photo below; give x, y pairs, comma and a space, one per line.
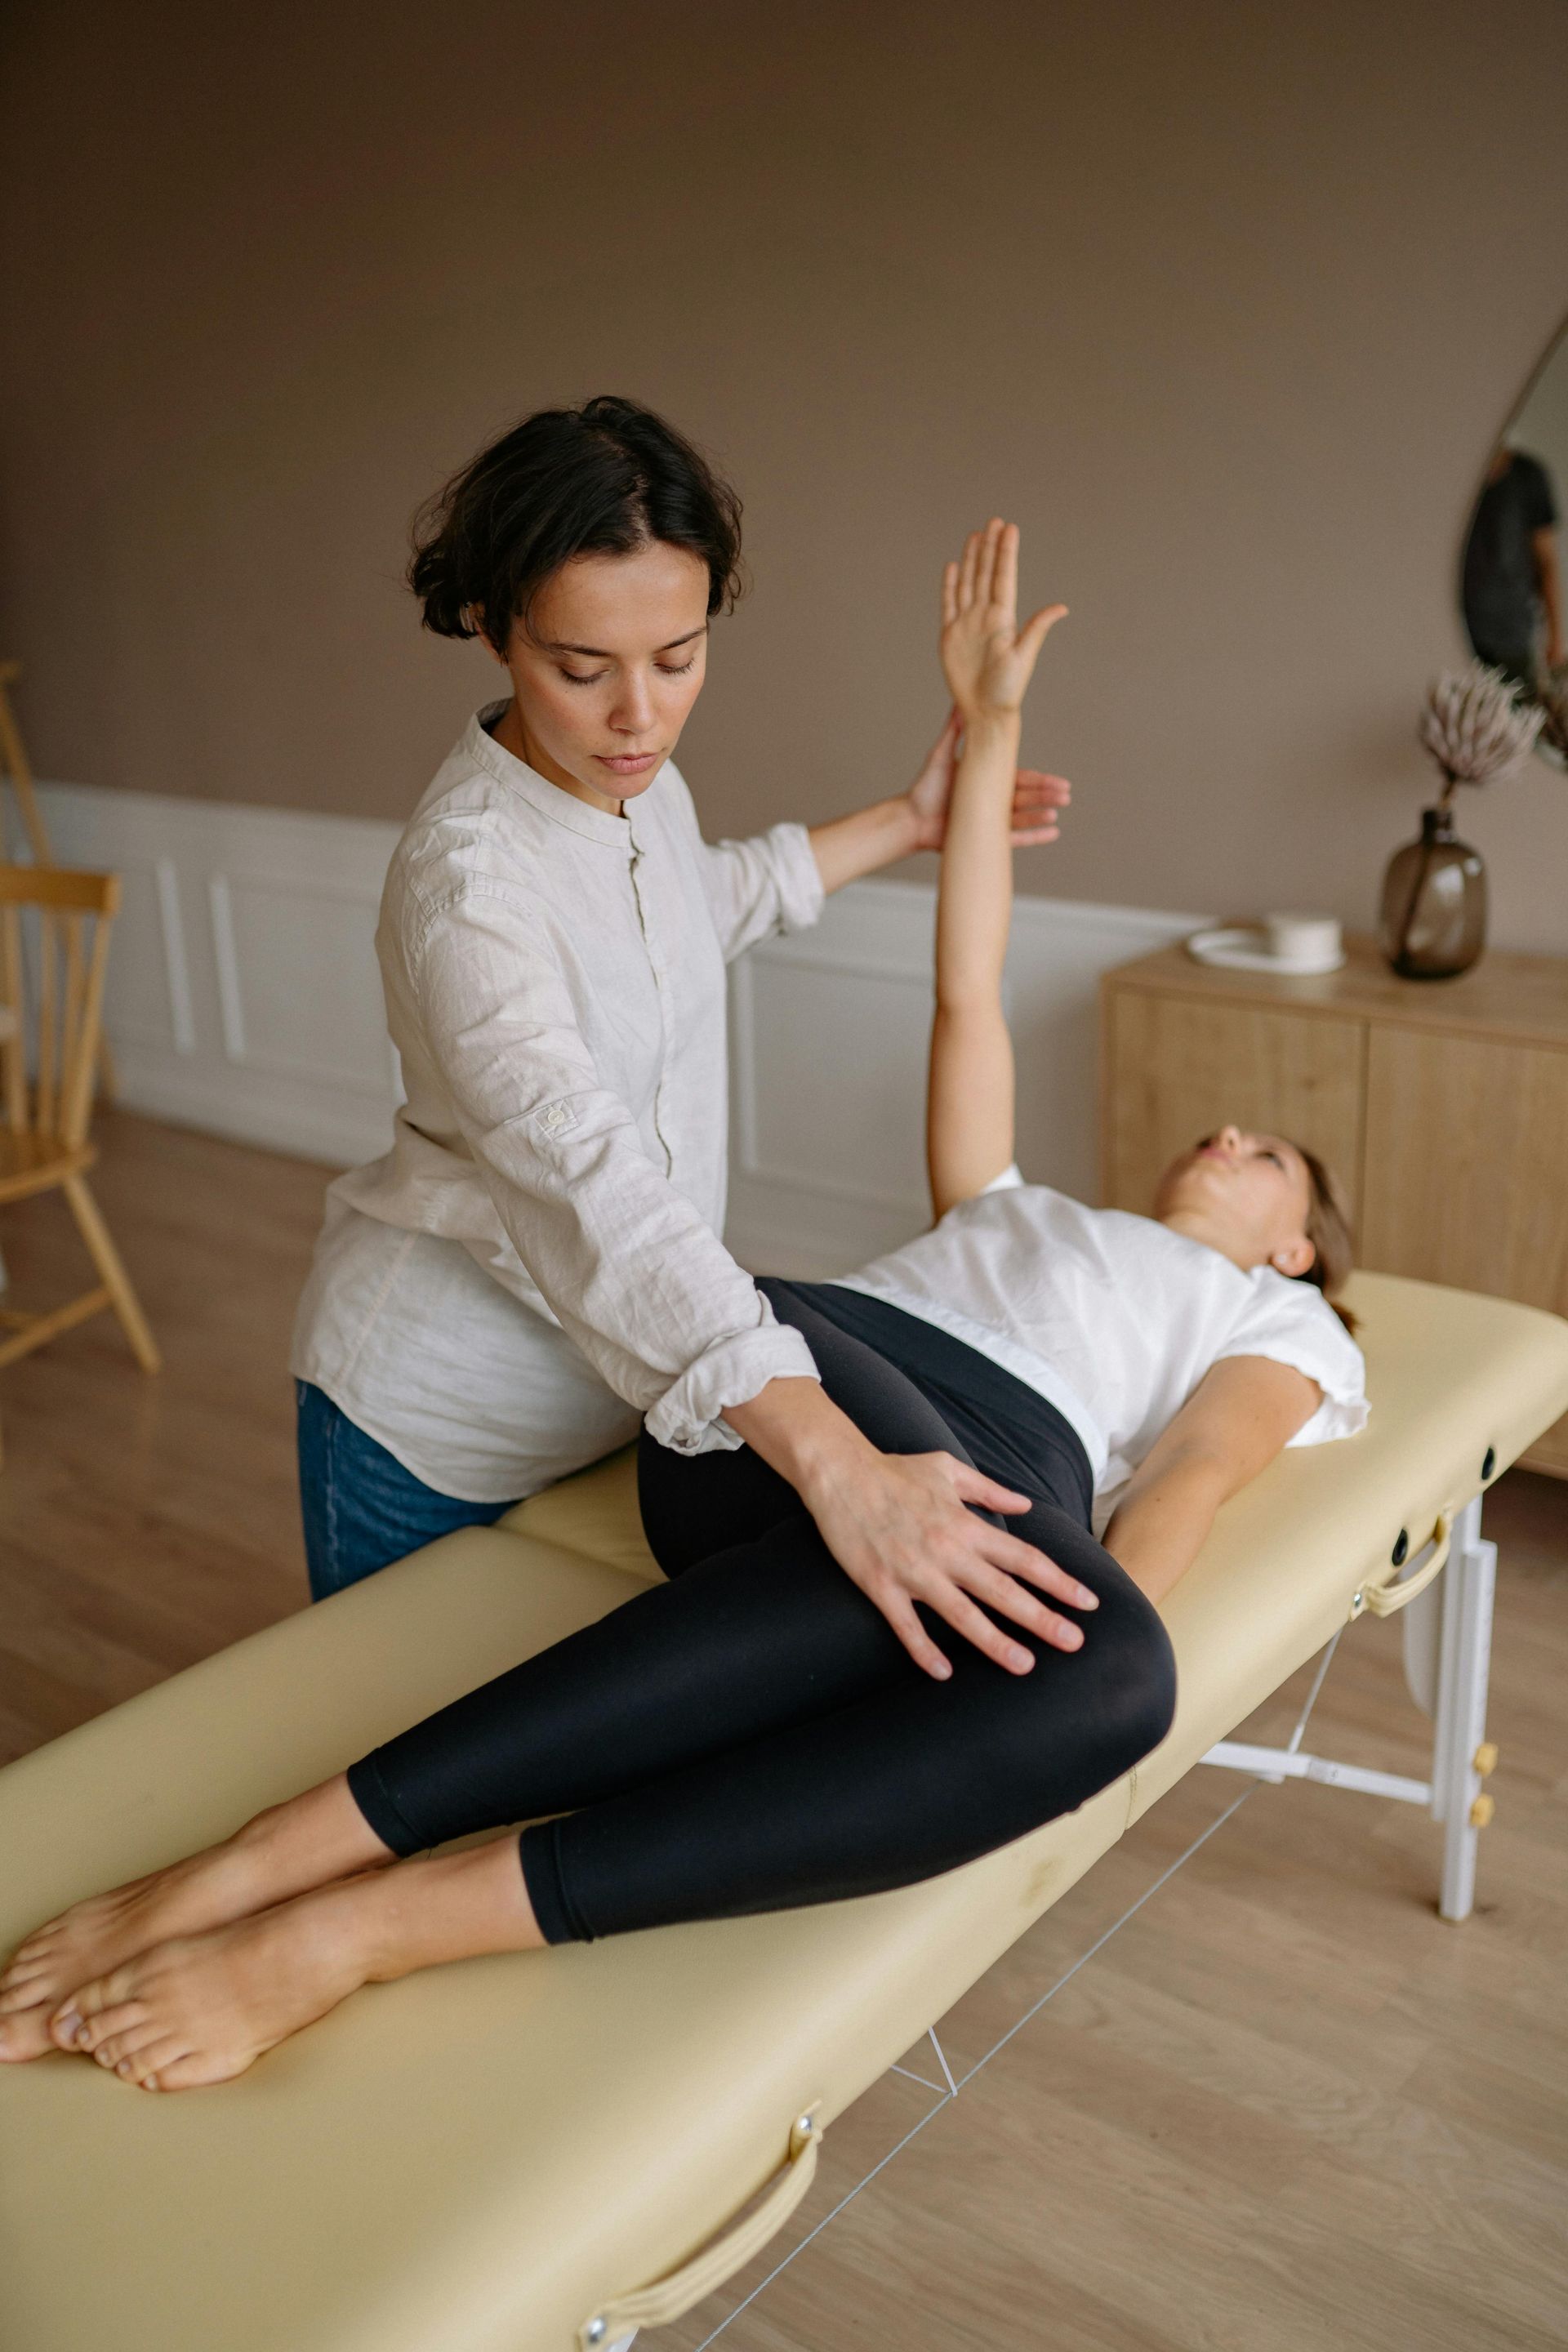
67, 997
48, 1027
12, 1030
78, 1109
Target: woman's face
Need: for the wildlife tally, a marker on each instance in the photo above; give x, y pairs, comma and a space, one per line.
609, 665
1252, 1189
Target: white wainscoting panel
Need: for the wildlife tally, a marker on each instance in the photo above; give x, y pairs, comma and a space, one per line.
244, 998
829, 1031
243, 991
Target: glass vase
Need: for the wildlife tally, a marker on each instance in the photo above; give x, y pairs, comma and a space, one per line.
1433, 920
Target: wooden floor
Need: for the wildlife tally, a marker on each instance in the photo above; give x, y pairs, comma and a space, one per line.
145, 1523
1282, 2108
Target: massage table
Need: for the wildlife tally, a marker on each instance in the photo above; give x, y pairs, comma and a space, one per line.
544, 2152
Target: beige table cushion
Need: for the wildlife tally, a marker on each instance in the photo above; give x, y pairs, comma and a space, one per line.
474, 2159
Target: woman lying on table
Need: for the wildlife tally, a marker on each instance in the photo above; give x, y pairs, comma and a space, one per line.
759, 1731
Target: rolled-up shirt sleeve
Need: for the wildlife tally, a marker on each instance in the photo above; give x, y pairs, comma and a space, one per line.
638, 1281
771, 883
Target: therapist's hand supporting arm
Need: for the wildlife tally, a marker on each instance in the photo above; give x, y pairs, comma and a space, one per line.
900, 1527
917, 819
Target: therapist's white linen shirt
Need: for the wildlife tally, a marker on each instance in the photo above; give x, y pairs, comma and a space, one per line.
535, 1266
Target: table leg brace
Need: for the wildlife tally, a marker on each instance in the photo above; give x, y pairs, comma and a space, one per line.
1447, 1660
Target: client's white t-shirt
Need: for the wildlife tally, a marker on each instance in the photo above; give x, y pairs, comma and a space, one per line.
1113, 1318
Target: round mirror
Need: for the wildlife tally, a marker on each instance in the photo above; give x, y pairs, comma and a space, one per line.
1511, 586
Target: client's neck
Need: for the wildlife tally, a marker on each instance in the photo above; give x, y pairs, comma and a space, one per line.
1196, 1227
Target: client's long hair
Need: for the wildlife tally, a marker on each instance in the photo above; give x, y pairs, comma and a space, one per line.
1329, 1231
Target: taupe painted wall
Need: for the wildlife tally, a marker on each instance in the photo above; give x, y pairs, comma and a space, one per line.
1226, 302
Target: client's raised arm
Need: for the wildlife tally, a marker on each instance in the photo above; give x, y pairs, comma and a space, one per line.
989, 661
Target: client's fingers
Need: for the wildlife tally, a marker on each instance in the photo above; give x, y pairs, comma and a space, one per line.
1005, 577
949, 594
1036, 630
967, 571
985, 563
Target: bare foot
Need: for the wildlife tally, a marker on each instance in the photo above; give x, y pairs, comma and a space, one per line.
315, 1838
202, 2008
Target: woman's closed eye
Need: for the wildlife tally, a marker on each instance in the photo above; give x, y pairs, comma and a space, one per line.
665, 669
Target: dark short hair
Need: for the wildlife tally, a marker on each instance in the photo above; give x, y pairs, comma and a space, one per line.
601, 480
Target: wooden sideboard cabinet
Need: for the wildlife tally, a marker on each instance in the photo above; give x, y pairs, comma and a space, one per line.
1441, 1105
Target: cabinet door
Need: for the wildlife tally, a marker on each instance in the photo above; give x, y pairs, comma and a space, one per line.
1178, 1068
1466, 1173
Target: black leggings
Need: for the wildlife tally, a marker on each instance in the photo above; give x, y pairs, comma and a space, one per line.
752, 1735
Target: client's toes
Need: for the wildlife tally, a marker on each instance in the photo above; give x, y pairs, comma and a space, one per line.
27, 1996
139, 2066
25, 2034
72, 2026
27, 1954
123, 2032
18, 1986
160, 2065
180, 2069
110, 2025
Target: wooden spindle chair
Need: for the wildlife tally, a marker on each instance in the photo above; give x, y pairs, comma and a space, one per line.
16, 769
50, 1024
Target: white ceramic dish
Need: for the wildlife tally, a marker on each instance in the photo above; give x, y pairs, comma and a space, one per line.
1246, 949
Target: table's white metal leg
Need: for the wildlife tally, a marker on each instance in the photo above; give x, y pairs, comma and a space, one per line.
1458, 1759
1447, 1642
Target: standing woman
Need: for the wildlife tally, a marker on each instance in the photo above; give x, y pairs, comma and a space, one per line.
535, 1267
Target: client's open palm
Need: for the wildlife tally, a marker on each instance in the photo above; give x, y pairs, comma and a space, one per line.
988, 658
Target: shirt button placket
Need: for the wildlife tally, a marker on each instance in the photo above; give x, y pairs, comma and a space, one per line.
660, 979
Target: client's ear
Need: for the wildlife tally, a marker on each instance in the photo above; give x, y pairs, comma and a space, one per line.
1293, 1257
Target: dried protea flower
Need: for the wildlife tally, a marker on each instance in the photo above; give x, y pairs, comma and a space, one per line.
1551, 693
1476, 728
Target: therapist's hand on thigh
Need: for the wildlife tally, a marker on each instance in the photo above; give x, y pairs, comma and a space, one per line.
904, 1528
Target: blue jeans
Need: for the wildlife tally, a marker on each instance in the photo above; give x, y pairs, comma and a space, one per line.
361, 1508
